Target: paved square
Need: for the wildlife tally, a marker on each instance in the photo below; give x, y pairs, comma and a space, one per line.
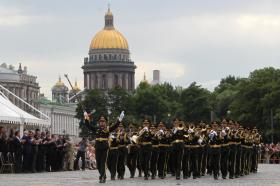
267, 175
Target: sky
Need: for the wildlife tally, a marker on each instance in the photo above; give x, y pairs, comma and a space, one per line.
187, 40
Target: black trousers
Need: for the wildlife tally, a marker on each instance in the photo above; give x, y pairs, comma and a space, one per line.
146, 153
139, 164
112, 161
170, 160
224, 160
162, 161
132, 159
215, 155
194, 159
154, 161
121, 161
18, 162
186, 162
178, 150
255, 159
82, 155
101, 154
200, 152
238, 160
204, 161
232, 159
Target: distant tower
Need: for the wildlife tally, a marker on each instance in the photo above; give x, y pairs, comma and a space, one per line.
156, 77
60, 92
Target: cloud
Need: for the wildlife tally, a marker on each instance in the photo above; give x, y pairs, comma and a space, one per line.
13, 17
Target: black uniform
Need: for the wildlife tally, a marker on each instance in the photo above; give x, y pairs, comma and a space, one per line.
164, 143
178, 150
101, 146
122, 149
154, 157
146, 152
132, 157
214, 153
112, 159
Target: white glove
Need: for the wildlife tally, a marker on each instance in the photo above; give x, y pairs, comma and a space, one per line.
175, 130
199, 141
121, 116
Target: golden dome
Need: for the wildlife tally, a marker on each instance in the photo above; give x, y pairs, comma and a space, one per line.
59, 83
109, 37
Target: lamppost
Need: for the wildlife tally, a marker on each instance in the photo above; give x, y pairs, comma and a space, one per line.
228, 113
169, 120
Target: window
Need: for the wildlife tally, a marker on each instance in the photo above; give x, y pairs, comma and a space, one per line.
116, 80
103, 82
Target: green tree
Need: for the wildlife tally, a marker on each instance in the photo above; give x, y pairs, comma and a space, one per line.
196, 103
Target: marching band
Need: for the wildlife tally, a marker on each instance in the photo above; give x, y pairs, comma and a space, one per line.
185, 150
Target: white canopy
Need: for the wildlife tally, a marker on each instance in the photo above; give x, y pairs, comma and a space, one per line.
11, 114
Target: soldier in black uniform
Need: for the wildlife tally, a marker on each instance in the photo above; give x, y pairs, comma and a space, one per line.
224, 149
238, 151
164, 138
123, 141
133, 151
178, 146
187, 151
102, 142
112, 159
214, 150
154, 157
233, 149
194, 152
145, 139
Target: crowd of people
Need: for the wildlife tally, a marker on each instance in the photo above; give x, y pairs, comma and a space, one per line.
38, 151
186, 150
270, 153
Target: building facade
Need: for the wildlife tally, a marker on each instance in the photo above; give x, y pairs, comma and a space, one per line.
108, 63
21, 84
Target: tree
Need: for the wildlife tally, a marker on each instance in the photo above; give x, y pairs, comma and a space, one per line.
196, 103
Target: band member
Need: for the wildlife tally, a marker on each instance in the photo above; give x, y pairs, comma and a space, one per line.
224, 149
187, 151
145, 139
214, 151
233, 149
123, 141
102, 132
133, 151
164, 137
113, 153
154, 157
178, 146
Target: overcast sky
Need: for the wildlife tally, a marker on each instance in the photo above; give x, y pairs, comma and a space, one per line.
187, 40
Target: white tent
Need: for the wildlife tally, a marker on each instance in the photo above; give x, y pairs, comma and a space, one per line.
13, 115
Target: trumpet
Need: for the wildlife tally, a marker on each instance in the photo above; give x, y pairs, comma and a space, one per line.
142, 131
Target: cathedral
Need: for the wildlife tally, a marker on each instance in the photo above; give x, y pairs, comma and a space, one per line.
108, 63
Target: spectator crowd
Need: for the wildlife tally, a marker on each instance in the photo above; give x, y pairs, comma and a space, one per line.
38, 151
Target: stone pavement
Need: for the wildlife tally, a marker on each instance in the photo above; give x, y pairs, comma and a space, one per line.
267, 175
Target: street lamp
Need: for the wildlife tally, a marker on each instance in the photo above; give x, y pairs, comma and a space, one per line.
169, 120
